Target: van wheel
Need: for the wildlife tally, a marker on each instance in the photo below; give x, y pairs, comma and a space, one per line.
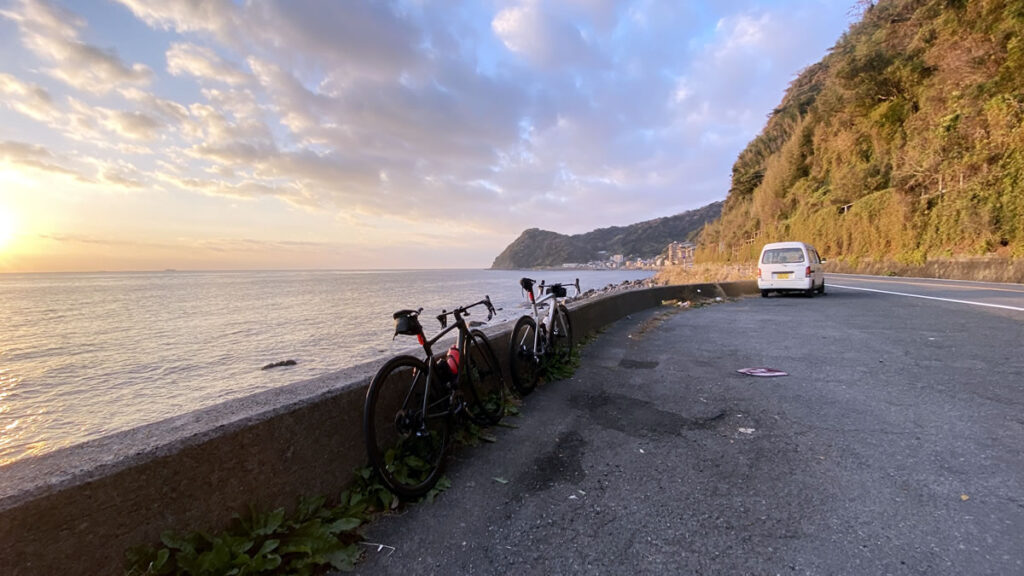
821, 290
809, 292
764, 293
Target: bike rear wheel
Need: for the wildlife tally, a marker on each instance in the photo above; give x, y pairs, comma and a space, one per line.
524, 364
405, 442
560, 336
486, 385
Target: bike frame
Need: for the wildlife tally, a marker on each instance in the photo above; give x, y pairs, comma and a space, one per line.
545, 321
461, 340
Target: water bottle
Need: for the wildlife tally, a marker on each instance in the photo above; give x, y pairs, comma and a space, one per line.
453, 358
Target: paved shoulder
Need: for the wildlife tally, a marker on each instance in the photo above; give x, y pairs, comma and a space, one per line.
891, 447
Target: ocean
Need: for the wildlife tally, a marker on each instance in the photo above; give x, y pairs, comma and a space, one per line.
86, 355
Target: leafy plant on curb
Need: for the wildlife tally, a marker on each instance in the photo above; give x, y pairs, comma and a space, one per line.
563, 367
316, 536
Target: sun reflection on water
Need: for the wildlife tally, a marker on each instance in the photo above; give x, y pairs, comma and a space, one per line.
15, 431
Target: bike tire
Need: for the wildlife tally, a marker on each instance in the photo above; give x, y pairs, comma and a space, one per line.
485, 383
410, 464
560, 336
523, 363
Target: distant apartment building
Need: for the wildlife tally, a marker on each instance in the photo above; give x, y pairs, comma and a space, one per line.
680, 253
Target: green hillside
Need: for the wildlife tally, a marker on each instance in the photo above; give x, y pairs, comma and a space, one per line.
904, 144
537, 248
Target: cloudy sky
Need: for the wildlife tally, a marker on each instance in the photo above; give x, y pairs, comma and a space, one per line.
230, 134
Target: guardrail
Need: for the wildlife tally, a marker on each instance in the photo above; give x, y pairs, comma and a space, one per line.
78, 509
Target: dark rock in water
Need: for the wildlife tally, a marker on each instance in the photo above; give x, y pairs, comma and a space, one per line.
476, 323
281, 363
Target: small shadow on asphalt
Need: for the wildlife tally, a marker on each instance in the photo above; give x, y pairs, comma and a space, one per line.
561, 464
637, 364
639, 418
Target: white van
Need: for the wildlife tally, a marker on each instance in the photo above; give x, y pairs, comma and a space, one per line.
790, 266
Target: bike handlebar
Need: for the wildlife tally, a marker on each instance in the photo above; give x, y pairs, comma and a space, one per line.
527, 284
442, 318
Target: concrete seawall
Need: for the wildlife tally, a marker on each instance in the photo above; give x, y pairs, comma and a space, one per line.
76, 510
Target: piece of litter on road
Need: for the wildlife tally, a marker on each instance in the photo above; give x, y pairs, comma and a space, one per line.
964, 497
762, 372
746, 430
642, 451
581, 492
380, 547
500, 480
573, 497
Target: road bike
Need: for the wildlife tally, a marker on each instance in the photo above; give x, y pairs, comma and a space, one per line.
412, 403
543, 340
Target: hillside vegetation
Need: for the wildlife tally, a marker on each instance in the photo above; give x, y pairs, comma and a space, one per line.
904, 144
537, 248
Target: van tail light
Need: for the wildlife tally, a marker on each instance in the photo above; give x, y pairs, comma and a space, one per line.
758, 272
807, 272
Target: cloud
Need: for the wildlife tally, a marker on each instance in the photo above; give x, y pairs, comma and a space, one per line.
168, 111
353, 40
29, 99
52, 34
106, 127
38, 158
235, 245
134, 125
229, 126
83, 170
405, 115
122, 175
186, 15
200, 62
545, 36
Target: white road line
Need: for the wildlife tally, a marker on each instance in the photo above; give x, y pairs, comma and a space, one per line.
940, 283
1003, 306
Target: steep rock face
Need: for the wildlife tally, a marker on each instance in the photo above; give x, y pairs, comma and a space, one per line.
541, 248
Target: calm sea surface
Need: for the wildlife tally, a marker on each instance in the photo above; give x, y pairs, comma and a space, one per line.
84, 355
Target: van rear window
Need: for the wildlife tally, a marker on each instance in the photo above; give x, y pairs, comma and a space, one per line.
783, 256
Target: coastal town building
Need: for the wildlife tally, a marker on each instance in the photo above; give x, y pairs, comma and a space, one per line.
675, 254
680, 253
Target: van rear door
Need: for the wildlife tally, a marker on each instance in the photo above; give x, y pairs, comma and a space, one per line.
781, 264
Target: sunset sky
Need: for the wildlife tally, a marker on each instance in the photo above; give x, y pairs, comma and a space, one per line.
220, 134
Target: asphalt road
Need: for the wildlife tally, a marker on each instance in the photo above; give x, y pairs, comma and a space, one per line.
895, 445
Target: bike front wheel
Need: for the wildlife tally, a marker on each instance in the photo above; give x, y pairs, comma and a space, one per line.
524, 362
406, 426
486, 385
